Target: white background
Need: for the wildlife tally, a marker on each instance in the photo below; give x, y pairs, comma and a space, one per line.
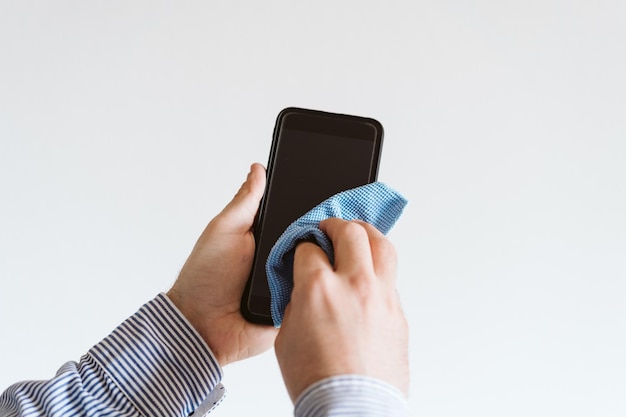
126, 125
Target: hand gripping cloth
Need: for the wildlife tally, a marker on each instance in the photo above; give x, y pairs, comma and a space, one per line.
373, 203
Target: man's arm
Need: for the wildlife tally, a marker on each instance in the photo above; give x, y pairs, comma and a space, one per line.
343, 346
157, 362
154, 363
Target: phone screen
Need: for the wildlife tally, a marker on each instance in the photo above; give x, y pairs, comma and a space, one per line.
314, 156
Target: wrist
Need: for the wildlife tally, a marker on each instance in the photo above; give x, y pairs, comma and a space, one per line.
178, 303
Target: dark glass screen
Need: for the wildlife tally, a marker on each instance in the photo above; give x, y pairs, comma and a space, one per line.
308, 168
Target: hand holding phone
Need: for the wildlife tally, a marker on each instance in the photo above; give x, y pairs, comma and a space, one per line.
208, 289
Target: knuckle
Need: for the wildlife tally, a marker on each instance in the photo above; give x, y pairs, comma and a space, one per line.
387, 247
353, 230
304, 250
300, 249
316, 282
363, 287
387, 251
384, 256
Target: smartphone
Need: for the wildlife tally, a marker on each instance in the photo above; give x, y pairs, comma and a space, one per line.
313, 156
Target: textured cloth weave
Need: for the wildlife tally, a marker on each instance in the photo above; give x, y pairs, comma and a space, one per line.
373, 203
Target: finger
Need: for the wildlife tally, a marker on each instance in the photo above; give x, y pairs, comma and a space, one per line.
309, 261
351, 245
238, 215
384, 256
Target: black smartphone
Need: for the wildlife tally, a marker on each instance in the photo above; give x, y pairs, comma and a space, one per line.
314, 155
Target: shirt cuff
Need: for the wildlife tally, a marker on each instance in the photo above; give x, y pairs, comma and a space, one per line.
161, 363
351, 395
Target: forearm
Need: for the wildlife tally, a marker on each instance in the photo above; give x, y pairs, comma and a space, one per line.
154, 363
75, 387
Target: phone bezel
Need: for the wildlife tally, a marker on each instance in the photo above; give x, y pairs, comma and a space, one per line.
296, 118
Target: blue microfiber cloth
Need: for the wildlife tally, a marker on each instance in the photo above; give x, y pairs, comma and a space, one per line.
373, 203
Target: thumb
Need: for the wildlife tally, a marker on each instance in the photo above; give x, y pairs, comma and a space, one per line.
238, 215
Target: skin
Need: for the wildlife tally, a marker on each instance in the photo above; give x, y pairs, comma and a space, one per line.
342, 319
210, 285
346, 318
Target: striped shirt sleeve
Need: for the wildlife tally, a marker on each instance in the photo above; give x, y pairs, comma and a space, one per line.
351, 395
154, 363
